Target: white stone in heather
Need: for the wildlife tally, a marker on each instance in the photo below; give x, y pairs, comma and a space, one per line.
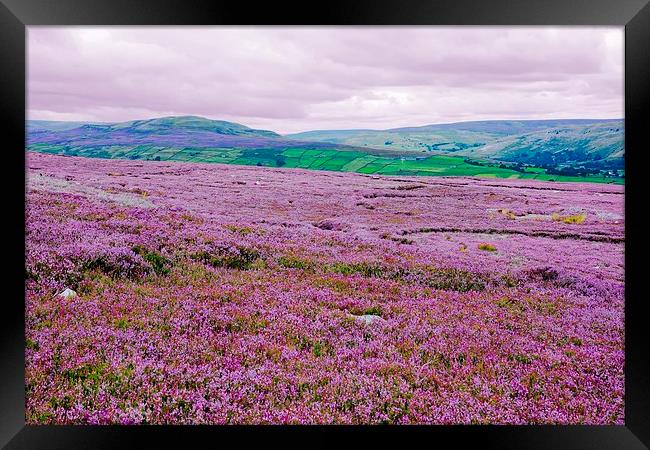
68, 293
368, 319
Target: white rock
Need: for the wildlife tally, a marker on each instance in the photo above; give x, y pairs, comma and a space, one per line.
368, 319
68, 293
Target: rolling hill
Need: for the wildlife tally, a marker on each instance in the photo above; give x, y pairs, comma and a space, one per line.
38, 126
162, 137
596, 143
591, 145
164, 131
547, 150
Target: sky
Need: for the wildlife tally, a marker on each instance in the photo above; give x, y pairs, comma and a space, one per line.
291, 79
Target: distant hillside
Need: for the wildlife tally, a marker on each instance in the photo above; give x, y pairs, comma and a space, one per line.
163, 131
35, 126
506, 127
101, 140
417, 140
592, 145
575, 150
596, 143
169, 125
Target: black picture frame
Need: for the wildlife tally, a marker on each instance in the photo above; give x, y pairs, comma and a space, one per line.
15, 15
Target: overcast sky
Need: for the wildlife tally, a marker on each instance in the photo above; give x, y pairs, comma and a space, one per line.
290, 79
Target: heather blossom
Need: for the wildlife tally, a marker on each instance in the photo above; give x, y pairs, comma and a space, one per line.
212, 294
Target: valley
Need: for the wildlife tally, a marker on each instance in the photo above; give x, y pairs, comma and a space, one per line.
543, 150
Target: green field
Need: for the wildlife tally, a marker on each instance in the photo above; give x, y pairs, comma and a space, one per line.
318, 159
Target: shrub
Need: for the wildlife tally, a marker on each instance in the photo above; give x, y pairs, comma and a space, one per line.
116, 263
543, 274
410, 187
373, 311
509, 280
575, 341
366, 269
248, 324
121, 324
438, 278
293, 262
330, 225
318, 349
238, 257
159, 264
487, 247
396, 239
32, 344
451, 279
573, 219
508, 304
240, 230
85, 373
520, 358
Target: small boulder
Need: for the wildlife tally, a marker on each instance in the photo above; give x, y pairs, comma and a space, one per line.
68, 293
330, 225
368, 319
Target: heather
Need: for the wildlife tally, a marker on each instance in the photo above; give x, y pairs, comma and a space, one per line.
221, 294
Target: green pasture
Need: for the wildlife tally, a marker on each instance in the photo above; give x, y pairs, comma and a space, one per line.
318, 159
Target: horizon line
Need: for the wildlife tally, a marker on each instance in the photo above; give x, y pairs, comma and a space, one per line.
331, 129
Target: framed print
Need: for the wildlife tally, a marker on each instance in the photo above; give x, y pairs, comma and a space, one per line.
392, 221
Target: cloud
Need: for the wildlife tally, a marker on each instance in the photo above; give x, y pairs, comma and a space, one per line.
298, 78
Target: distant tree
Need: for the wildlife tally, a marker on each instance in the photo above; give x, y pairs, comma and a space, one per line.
519, 167
472, 162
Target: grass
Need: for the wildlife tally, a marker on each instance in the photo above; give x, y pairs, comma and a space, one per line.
159, 264
373, 311
573, 219
318, 159
293, 262
365, 269
242, 258
487, 247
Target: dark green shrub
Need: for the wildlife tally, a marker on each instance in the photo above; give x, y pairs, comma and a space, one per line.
159, 264
487, 247
373, 311
32, 344
293, 262
366, 269
451, 279
240, 258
